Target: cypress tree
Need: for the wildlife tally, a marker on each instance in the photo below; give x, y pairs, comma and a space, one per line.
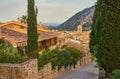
32, 42
105, 35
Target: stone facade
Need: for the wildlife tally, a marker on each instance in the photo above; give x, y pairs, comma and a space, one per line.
26, 70
15, 33
45, 72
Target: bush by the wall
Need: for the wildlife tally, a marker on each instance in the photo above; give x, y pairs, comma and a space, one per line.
10, 54
65, 58
116, 74
44, 58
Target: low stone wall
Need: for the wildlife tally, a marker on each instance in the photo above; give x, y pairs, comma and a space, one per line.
47, 73
29, 70
26, 70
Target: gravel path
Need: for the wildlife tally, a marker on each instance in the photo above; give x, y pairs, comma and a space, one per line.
85, 72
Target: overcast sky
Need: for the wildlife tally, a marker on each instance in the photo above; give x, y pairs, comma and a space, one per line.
48, 10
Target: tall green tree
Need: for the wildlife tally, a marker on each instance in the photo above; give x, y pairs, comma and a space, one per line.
32, 42
105, 35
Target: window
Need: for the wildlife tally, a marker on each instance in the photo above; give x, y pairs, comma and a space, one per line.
22, 27
10, 27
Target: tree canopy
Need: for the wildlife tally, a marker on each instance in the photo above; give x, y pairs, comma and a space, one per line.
32, 42
105, 35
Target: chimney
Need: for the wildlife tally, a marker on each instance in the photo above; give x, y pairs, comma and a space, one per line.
79, 29
0, 33
18, 19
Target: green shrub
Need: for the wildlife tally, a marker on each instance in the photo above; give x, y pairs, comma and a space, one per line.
2, 41
54, 62
44, 59
63, 54
63, 58
74, 52
54, 58
116, 74
11, 55
58, 58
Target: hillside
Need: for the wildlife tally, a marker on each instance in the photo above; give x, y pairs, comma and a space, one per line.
83, 17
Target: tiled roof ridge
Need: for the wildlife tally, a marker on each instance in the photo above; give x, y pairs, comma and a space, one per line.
21, 24
9, 30
13, 22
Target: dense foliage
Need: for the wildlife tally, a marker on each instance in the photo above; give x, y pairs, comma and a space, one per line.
32, 41
23, 19
105, 35
116, 74
10, 54
59, 58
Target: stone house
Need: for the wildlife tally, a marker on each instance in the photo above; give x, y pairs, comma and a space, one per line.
15, 33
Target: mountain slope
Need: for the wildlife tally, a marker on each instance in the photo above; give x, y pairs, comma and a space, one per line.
83, 17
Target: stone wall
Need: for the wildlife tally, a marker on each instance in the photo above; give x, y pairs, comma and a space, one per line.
26, 70
29, 70
48, 73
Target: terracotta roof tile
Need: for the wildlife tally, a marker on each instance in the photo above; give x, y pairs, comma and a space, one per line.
16, 37
40, 27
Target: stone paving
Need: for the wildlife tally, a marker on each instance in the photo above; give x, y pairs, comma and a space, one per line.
86, 72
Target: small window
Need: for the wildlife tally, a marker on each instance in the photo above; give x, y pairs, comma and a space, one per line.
10, 27
22, 27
